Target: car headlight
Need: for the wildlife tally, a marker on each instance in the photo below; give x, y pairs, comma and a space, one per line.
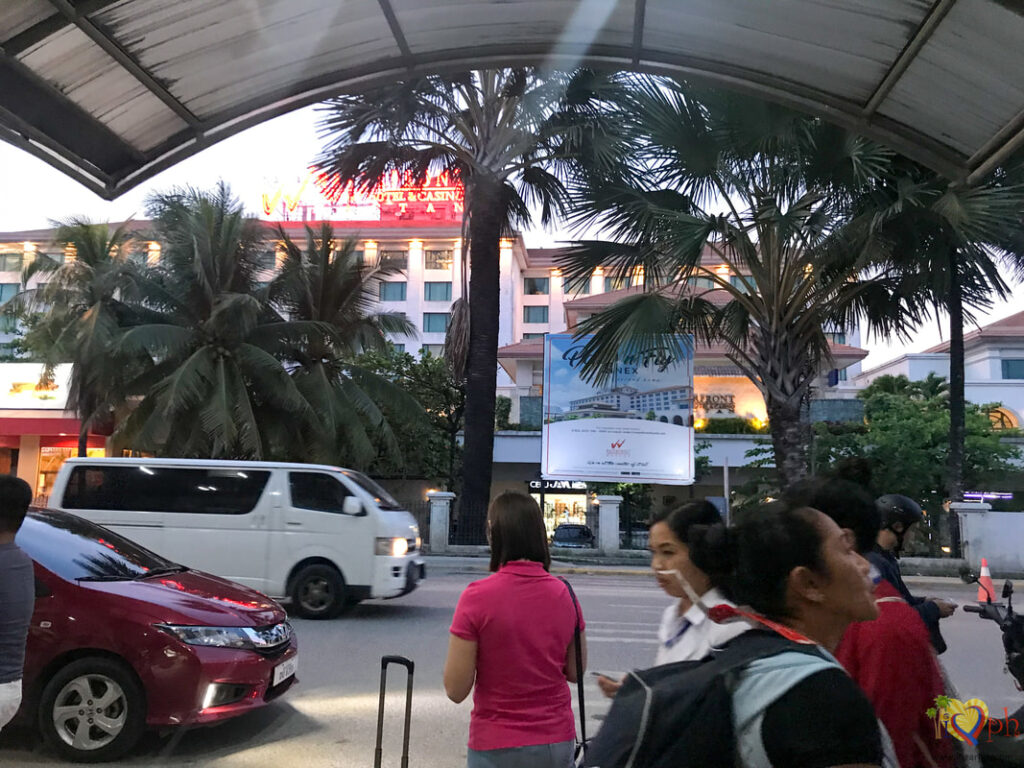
394, 547
211, 637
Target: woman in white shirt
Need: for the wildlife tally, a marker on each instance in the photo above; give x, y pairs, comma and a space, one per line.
686, 633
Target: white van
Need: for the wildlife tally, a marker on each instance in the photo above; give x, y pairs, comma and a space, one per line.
323, 536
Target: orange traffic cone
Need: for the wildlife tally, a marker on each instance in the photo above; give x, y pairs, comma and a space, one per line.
985, 582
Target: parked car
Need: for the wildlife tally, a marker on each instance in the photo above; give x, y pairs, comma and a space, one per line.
323, 537
122, 639
573, 535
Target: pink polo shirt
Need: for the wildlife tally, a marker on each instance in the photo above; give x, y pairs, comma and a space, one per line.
522, 620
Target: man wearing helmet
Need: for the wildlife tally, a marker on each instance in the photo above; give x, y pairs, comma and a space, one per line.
898, 514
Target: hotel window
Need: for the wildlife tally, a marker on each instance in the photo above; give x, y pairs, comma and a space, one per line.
535, 314
11, 262
435, 322
1013, 369
836, 337
744, 283
527, 336
701, 283
392, 291
435, 350
398, 260
437, 291
8, 291
578, 287
437, 259
615, 283
360, 257
536, 286
398, 347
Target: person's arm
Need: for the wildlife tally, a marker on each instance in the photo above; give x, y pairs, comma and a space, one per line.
459, 668
570, 657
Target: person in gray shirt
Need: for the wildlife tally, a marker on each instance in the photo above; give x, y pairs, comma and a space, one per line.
17, 594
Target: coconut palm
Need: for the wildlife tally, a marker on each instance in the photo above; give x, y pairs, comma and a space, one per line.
327, 286
769, 193
508, 136
211, 385
77, 312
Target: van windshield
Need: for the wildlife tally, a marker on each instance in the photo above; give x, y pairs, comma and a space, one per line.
384, 499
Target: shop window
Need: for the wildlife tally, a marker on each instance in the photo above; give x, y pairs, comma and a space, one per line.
536, 286
1013, 369
11, 262
615, 283
437, 291
437, 259
535, 314
396, 260
392, 291
317, 491
436, 322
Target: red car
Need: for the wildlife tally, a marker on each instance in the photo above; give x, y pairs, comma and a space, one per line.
122, 640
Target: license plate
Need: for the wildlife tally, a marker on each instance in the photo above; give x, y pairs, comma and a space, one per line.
285, 669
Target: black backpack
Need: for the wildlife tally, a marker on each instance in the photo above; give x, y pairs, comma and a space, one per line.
680, 715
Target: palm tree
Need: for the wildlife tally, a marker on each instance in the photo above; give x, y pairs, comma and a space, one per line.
211, 385
508, 136
77, 313
329, 288
769, 193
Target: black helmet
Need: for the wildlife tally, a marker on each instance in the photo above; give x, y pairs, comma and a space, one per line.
896, 508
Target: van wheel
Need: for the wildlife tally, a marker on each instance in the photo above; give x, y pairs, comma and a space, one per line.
93, 710
318, 592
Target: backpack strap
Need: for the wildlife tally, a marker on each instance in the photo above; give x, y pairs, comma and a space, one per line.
578, 644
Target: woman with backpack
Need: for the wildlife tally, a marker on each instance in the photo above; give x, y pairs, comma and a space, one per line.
686, 633
513, 644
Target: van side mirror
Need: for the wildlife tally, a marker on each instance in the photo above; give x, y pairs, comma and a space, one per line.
353, 506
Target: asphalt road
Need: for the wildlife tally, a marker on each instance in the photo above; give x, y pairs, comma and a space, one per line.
329, 720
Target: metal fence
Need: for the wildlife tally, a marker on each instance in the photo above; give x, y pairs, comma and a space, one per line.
467, 525
632, 526
420, 509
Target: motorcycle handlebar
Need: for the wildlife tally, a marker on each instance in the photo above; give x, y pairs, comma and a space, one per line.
972, 609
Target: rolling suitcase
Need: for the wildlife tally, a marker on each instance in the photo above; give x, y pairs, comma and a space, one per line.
409, 668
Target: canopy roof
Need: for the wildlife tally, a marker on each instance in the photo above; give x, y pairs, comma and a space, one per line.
113, 91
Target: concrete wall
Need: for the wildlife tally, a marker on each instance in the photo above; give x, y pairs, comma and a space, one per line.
996, 536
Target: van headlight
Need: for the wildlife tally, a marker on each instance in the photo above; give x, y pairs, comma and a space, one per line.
393, 547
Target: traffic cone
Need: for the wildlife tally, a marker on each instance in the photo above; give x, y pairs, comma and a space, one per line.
985, 582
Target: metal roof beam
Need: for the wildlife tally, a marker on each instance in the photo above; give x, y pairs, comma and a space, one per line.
639, 12
396, 29
913, 47
49, 26
126, 60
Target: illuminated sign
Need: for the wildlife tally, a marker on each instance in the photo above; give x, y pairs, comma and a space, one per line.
317, 198
20, 387
566, 486
715, 402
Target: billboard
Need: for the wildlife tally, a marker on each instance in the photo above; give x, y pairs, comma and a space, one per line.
20, 388
635, 427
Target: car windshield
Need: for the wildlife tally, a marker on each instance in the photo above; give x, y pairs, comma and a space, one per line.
384, 499
76, 549
564, 532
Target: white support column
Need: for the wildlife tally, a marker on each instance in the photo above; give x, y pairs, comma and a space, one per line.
440, 515
608, 523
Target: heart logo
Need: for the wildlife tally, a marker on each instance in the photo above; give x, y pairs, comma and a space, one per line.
966, 719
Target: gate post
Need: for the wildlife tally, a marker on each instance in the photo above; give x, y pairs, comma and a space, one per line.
440, 514
608, 523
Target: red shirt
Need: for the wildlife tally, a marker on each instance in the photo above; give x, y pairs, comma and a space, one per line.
522, 620
892, 660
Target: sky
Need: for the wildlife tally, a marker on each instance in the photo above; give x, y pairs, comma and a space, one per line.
34, 194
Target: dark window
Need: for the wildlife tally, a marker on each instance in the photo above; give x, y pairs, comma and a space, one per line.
205, 490
578, 287
535, 286
434, 350
360, 257
535, 314
398, 347
744, 283
435, 322
317, 491
437, 291
533, 336
437, 259
1013, 369
74, 548
11, 262
397, 260
615, 283
392, 291
384, 499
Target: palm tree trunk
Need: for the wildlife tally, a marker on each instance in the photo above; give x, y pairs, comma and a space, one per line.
955, 467
482, 366
83, 439
789, 441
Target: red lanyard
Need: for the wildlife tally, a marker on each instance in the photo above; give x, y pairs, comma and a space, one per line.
722, 613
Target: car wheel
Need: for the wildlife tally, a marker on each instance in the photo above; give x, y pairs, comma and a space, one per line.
318, 592
92, 710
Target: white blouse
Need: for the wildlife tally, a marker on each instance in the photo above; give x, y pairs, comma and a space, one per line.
691, 637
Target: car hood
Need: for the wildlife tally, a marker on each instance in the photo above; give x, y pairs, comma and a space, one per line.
194, 597
397, 523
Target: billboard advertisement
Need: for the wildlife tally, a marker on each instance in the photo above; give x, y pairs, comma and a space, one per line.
636, 427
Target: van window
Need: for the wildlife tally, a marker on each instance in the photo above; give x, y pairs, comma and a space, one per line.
384, 499
315, 490
215, 491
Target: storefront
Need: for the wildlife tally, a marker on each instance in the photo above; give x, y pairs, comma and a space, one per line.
561, 501
37, 435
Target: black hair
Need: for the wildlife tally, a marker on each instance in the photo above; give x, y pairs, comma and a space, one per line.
682, 518
848, 503
517, 532
751, 561
15, 496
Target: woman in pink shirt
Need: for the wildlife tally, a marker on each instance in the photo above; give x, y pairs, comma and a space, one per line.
512, 644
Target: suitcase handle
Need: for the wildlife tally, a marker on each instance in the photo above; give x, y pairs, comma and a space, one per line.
409, 666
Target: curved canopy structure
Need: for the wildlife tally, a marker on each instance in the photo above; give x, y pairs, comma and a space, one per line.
113, 91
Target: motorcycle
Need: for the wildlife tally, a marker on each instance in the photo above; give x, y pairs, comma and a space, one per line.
1005, 748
